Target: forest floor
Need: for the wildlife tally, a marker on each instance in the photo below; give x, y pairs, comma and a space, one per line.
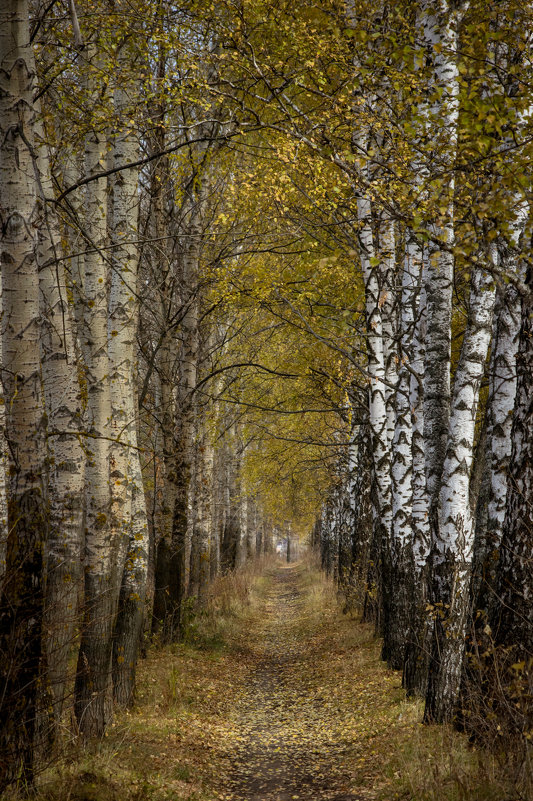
274, 695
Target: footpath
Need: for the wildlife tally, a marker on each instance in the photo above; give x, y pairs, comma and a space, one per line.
274, 695
297, 734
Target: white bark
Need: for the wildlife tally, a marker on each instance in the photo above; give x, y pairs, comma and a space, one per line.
401, 471
502, 383
513, 620
20, 289
416, 662
420, 517
100, 551
63, 406
453, 545
455, 519
186, 418
376, 367
250, 528
396, 633
500, 405
72, 172
389, 316
206, 541
243, 520
22, 591
240, 497
130, 619
122, 326
440, 23
128, 511
94, 338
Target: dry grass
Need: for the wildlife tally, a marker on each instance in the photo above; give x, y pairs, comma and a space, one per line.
174, 745
395, 756
164, 749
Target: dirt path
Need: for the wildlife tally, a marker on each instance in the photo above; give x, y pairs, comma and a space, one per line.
287, 746
272, 695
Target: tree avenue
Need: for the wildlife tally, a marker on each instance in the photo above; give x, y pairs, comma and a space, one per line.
266, 273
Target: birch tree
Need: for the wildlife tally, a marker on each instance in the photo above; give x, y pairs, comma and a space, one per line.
94, 659
415, 668
453, 547
378, 418
500, 405
402, 476
514, 585
129, 506
440, 22
440, 25
502, 378
63, 404
170, 557
22, 598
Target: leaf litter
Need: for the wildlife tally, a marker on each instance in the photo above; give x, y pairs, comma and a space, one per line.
276, 696
293, 732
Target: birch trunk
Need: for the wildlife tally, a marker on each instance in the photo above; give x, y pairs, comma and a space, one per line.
453, 548
259, 536
185, 421
509, 507
251, 528
218, 511
362, 517
169, 560
416, 661
440, 23
94, 659
500, 405
206, 540
378, 417
63, 403
347, 517
132, 604
240, 498
440, 27
71, 167
232, 533
421, 528
128, 511
243, 503
227, 560
380, 357
22, 599
397, 633
389, 314
514, 621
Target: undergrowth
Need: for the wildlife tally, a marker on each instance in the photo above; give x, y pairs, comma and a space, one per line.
173, 744
160, 750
